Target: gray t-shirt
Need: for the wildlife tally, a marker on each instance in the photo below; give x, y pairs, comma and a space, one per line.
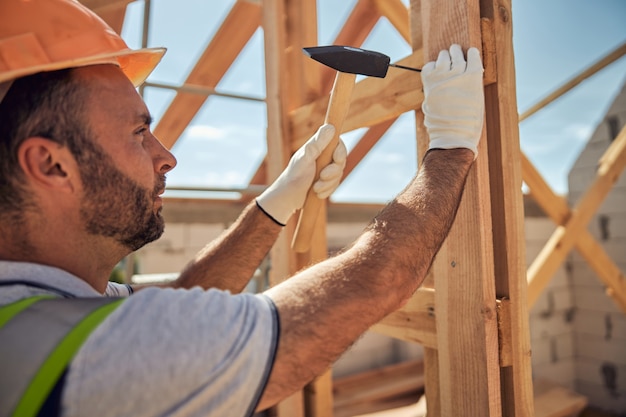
162, 352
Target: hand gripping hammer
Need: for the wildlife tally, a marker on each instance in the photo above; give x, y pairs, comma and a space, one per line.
348, 61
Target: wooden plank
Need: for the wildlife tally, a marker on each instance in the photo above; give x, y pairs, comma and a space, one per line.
415, 322
507, 207
432, 395
398, 15
374, 100
304, 72
556, 208
354, 31
236, 30
564, 237
503, 309
300, 79
431, 382
361, 392
602, 63
278, 153
467, 339
552, 400
318, 394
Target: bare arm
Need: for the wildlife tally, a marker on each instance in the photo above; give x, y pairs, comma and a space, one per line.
229, 261
324, 309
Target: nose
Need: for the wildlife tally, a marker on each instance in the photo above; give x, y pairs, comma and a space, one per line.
164, 160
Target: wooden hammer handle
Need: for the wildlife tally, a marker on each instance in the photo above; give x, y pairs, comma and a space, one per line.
335, 114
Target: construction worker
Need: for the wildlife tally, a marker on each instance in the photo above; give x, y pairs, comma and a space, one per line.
80, 179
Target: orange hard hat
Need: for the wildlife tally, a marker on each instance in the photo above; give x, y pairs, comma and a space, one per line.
47, 35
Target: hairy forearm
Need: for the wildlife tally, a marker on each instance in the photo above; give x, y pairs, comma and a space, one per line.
229, 261
347, 294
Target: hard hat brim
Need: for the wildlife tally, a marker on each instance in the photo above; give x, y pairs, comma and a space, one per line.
136, 64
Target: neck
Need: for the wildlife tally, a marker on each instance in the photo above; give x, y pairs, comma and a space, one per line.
44, 242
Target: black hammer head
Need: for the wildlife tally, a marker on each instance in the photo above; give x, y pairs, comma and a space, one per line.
350, 59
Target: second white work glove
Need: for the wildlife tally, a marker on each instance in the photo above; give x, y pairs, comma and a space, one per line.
454, 103
287, 194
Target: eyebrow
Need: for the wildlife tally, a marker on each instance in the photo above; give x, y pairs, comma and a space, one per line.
146, 118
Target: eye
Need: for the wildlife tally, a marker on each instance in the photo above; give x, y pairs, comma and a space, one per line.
141, 131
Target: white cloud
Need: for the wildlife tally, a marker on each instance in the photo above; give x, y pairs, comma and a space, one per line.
205, 132
579, 131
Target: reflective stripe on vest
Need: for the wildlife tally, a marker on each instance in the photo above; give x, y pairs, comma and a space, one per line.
38, 338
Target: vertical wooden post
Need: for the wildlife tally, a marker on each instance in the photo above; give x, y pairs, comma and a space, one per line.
292, 80
302, 32
507, 206
484, 256
278, 152
465, 299
431, 358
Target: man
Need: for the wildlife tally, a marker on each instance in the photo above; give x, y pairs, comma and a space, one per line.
80, 182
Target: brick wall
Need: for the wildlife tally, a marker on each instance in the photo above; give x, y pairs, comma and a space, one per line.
599, 325
551, 318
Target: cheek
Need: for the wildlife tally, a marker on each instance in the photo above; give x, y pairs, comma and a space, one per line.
139, 166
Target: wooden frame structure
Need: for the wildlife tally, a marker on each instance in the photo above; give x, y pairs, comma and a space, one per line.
472, 314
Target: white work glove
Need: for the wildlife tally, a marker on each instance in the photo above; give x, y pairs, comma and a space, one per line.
288, 193
454, 103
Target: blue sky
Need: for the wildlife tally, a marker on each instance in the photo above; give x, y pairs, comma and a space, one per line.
554, 40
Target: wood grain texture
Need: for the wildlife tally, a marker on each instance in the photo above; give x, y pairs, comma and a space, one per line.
507, 214
278, 153
467, 340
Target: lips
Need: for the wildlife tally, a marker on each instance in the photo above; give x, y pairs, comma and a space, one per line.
159, 188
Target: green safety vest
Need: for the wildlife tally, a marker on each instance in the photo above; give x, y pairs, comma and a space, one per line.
39, 336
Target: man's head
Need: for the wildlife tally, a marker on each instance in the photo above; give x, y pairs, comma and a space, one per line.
68, 108
115, 164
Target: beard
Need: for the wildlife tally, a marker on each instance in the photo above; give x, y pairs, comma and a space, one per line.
116, 206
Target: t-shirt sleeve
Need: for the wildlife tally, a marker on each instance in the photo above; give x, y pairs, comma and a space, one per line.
167, 352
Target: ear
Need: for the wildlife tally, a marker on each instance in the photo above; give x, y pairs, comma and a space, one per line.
47, 164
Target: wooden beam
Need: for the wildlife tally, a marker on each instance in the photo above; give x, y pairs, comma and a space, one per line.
602, 63
556, 208
415, 322
467, 336
304, 72
354, 31
374, 389
278, 153
565, 236
304, 82
432, 394
236, 30
398, 15
507, 207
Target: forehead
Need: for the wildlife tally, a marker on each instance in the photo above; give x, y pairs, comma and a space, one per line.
110, 95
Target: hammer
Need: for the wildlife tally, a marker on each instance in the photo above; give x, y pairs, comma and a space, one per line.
348, 61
